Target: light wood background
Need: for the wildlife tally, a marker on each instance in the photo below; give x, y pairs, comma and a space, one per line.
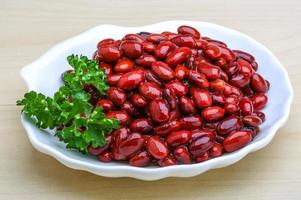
29, 28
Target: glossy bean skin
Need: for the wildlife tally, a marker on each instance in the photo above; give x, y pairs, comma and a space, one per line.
180, 72
151, 77
213, 51
131, 80
246, 106
188, 30
124, 65
162, 71
237, 140
163, 49
167, 128
259, 101
244, 55
218, 99
245, 67
191, 122
170, 96
213, 113
177, 56
197, 79
141, 125
231, 123
148, 47
109, 54
201, 145
217, 85
202, 157
105, 156
138, 100
122, 116
105, 42
129, 108
106, 104
107, 68
212, 72
216, 150
156, 38
140, 159
231, 108
182, 155
135, 37
227, 54
116, 95
201, 97
156, 147
178, 137
240, 80
112, 79
150, 91
184, 41
145, 60
159, 110
131, 49
179, 88
133, 143
168, 161
99, 150
187, 105
258, 83
252, 120
199, 133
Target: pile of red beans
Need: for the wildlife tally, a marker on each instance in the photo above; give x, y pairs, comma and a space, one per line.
181, 98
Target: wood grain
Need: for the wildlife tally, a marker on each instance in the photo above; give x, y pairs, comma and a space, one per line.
29, 28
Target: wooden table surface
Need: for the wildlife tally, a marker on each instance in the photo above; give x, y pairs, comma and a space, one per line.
29, 28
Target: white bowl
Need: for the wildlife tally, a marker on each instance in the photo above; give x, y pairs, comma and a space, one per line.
43, 75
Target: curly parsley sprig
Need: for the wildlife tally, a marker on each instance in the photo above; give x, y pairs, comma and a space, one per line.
70, 108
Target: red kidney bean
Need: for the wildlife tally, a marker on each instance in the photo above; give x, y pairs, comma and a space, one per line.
168, 161
131, 49
201, 145
133, 143
191, 122
148, 47
99, 150
138, 100
150, 90
259, 101
251, 120
120, 134
178, 137
216, 150
217, 85
129, 108
174, 115
227, 54
202, 157
156, 147
182, 155
216, 42
259, 114
169, 35
231, 123
116, 95
213, 51
131, 80
232, 99
220, 139
224, 76
134, 37
145, 60
246, 106
258, 83
201, 44
244, 55
245, 67
159, 110
201, 97
197, 79
184, 41
107, 68
180, 72
170, 96
179, 88
141, 125
254, 65
156, 38
188, 30
252, 129
210, 125
213, 113
187, 105
167, 128
105, 156
116, 155
122, 116
178, 56
218, 99
151, 77
140, 159
105, 42
163, 49
212, 72
247, 91
199, 133
237, 140
109, 54
240, 80
221, 62
124, 65
162, 71
113, 79
231, 69
231, 108
106, 104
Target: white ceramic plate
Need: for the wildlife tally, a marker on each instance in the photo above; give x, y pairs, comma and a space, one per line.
43, 75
